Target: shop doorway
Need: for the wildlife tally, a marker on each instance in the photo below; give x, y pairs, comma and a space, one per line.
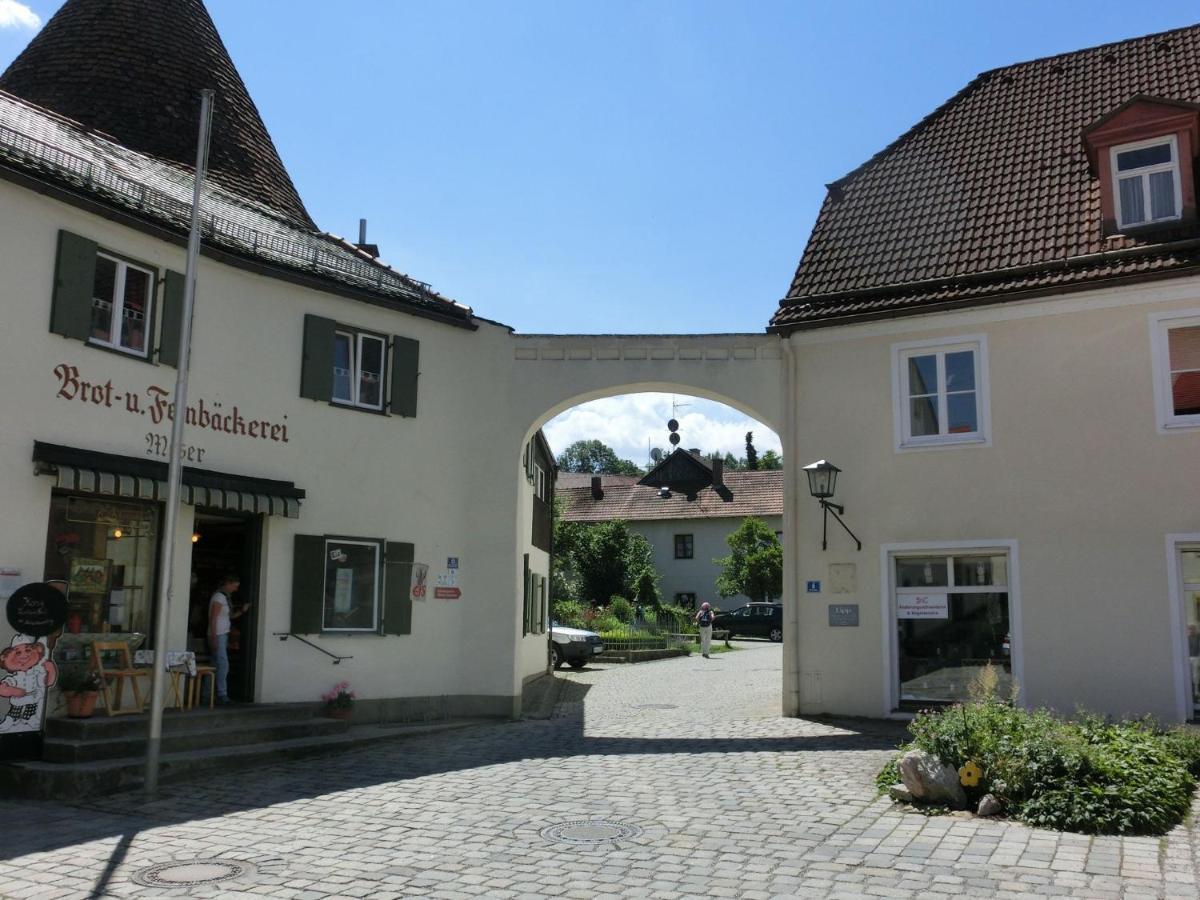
224, 544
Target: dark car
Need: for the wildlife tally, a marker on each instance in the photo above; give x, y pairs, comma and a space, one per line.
757, 619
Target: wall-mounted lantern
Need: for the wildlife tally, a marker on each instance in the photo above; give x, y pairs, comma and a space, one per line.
822, 482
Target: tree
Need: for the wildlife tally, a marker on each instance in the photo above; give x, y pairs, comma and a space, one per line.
597, 458
596, 562
733, 464
770, 461
754, 566
751, 453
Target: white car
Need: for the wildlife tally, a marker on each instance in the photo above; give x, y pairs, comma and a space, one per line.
573, 646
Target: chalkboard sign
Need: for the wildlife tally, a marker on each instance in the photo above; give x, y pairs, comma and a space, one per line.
37, 609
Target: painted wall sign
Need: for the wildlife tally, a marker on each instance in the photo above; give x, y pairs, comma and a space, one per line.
922, 606
813, 587
843, 615
154, 402
420, 572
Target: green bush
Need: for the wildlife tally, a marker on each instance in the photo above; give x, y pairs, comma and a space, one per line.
569, 613
1184, 742
1086, 775
621, 608
605, 623
888, 775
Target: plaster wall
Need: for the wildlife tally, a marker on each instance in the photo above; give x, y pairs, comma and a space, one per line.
1077, 475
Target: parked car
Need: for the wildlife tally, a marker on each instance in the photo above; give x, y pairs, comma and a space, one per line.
757, 619
573, 646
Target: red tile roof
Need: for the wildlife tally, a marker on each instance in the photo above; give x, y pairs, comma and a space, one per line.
991, 195
753, 494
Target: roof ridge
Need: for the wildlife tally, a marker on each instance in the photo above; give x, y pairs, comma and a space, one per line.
1105, 46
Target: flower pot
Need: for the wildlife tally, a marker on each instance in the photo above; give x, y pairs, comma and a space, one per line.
81, 704
338, 712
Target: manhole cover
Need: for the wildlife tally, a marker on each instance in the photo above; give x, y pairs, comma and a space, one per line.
591, 832
655, 706
187, 873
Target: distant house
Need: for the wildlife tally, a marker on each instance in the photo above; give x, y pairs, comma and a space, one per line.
686, 536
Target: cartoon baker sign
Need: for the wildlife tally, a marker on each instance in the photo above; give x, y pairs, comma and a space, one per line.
27, 675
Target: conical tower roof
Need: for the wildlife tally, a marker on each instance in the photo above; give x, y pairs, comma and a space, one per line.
134, 69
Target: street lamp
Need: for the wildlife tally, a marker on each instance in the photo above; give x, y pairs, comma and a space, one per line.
822, 482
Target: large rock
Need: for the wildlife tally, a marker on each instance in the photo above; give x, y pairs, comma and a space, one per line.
930, 781
989, 806
900, 793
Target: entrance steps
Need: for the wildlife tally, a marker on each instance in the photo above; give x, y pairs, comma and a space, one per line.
100, 755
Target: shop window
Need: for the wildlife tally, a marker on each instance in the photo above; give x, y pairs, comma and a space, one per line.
1176, 352
348, 585
107, 554
1146, 181
952, 620
1189, 564
940, 392
108, 301
351, 367
683, 546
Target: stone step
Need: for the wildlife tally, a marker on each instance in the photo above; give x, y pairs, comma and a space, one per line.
244, 730
103, 726
49, 780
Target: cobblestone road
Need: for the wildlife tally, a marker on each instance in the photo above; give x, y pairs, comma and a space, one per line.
666, 779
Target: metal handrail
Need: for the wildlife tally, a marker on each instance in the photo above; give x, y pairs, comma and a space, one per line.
284, 635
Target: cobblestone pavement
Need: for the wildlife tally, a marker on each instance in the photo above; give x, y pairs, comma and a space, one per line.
665, 779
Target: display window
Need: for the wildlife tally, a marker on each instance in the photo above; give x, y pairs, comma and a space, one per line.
952, 621
1189, 559
106, 552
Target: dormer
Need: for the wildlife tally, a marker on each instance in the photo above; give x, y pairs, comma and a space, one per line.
1144, 154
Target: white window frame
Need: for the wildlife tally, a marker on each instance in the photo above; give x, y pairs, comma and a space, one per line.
1144, 173
539, 482
887, 561
1179, 644
356, 343
1160, 353
902, 438
377, 546
117, 311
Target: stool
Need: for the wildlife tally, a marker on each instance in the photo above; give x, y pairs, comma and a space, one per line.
196, 690
178, 678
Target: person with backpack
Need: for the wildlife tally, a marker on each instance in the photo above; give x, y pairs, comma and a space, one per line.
704, 618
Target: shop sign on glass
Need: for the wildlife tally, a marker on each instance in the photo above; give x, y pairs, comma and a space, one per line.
923, 606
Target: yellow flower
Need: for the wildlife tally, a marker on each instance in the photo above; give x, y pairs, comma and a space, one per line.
970, 774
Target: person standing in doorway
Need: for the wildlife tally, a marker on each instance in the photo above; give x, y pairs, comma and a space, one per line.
220, 613
704, 618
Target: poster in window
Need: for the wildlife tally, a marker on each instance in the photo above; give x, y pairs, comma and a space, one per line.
88, 576
923, 606
343, 590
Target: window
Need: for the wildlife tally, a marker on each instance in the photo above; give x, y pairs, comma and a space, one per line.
122, 294
683, 546
347, 585
1189, 567
539, 487
686, 599
1146, 181
940, 392
358, 369
952, 619
350, 367
1176, 352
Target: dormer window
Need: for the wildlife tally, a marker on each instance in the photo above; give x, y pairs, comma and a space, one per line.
1147, 188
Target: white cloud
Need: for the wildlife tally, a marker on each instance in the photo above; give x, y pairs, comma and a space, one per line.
18, 15
631, 423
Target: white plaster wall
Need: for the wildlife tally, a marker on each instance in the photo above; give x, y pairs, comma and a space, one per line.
1077, 475
532, 649
697, 575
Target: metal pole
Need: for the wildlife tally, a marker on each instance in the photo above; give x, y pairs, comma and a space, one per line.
175, 471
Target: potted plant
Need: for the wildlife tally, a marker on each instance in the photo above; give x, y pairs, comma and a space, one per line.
81, 686
339, 701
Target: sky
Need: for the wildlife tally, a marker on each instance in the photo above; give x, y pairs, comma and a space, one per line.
627, 167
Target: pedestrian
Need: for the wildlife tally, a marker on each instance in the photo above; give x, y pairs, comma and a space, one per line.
220, 612
704, 618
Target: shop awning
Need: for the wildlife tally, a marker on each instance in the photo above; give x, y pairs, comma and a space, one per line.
112, 475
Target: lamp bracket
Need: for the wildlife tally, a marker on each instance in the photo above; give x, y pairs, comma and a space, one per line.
837, 510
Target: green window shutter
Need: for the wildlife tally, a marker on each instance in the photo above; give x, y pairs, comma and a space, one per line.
541, 604
172, 319
406, 360
316, 367
397, 602
74, 281
308, 583
525, 607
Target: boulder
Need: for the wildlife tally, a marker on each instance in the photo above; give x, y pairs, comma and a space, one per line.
989, 805
900, 793
931, 781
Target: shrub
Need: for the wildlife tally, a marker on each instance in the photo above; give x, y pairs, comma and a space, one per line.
621, 608
568, 613
1184, 742
675, 619
606, 623
888, 775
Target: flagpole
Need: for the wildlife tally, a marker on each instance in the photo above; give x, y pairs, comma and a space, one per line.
175, 470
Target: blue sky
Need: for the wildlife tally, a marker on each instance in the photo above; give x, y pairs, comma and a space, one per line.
616, 166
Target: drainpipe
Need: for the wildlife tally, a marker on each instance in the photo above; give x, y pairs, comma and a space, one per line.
791, 533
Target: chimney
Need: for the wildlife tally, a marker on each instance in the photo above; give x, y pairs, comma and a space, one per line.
372, 249
597, 491
695, 451
718, 467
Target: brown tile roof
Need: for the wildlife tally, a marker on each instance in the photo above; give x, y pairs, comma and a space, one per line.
134, 69
584, 479
753, 494
991, 194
